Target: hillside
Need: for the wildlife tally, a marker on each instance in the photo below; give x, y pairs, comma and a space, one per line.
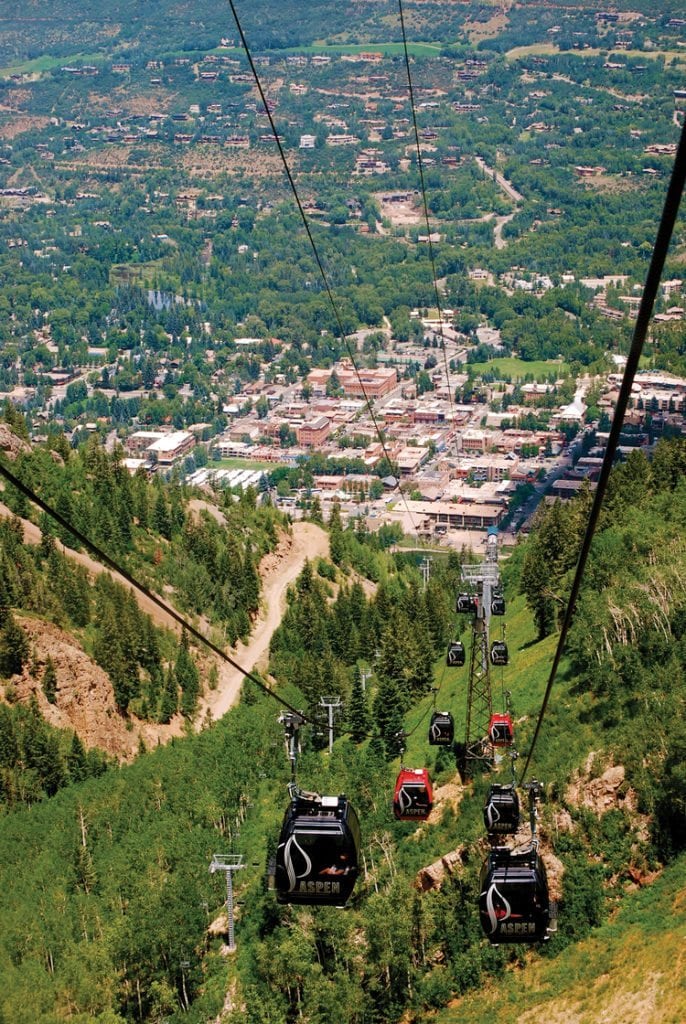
630, 970
409, 945
85, 699
104, 645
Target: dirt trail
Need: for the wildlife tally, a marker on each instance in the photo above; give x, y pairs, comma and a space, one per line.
277, 571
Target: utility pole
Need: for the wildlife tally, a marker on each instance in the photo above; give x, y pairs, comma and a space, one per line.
228, 863
291, 722
184, 965
331, 704
425, 567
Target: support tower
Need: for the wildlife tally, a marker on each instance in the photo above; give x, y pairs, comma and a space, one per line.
484, 580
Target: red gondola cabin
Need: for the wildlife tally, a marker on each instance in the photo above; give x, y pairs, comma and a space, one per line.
413, 798
501, 731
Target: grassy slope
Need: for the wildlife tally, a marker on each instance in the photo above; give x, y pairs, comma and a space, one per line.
525, 678
631, 970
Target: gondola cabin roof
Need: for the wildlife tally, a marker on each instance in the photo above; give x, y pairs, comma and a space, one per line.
317, 858
413, 798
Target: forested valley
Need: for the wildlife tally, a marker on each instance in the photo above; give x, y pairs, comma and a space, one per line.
110, 914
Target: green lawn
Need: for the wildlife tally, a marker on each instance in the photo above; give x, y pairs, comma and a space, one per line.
47, 63
141, 274
550, 49
388, 49
242, 464
515, 369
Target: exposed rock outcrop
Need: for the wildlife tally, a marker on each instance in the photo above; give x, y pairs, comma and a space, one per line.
84, 698
10, 444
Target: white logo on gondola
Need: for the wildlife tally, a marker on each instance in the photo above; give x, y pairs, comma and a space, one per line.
408, 806
404, 799
492, 815
293, 876
493, 916
435, 733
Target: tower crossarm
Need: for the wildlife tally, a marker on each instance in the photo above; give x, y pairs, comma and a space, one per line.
481, 573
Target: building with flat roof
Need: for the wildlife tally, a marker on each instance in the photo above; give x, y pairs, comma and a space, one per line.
314, 432
474, 441
410, 459
170, 447
369, 383
142, 439
461, 515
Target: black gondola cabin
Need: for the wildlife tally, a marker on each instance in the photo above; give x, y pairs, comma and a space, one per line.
413, 798
318, 853
467, 603
498, 605
501, 730
514, 905
441, 729
501, 811
499, 655
456, 655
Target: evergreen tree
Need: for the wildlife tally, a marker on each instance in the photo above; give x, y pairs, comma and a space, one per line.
316, 514
50, 681
161, 516
14, 647
336, 540
42, 751
187, 678
15, 419
170, 697
551, 552
250, 584
47, 529
388, 716
77, 761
